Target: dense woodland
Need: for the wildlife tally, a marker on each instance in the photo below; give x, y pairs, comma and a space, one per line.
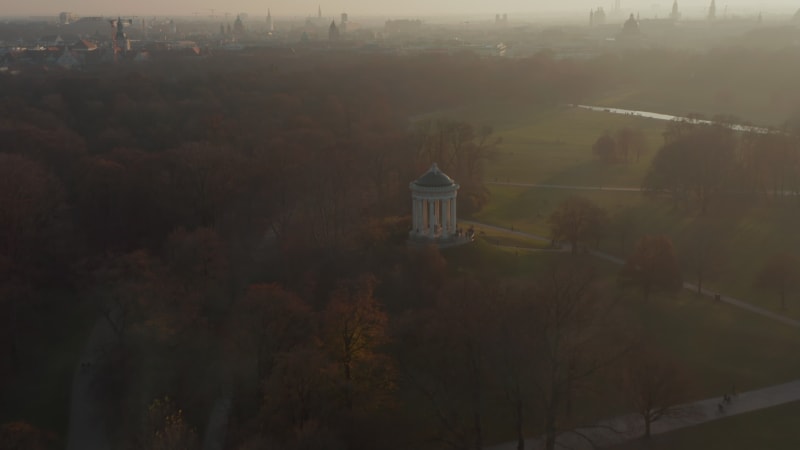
240, 224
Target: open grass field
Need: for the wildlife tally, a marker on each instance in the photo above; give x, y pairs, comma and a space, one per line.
747, 233
773, 428
716, 345
554, 147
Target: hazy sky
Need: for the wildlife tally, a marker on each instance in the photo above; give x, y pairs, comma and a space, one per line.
364, 7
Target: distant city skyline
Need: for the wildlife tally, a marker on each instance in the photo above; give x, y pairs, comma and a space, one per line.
368, 7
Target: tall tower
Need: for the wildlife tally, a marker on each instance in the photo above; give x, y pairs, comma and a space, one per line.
319, 12
333, 31
343, 23
270, 27
675, 14
238, 27
121, 42
712, 11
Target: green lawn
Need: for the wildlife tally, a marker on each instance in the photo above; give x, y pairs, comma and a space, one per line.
717, 345
748, 232
773, 429
555, 146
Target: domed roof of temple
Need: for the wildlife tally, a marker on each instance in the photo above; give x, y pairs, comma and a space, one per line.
434, 178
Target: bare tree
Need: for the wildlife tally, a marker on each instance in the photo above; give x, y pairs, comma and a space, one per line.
779, 274
704, 254
447, 358
630, 140
654, 386
652, 266
575, 341
605, 148
698, 161
577, 220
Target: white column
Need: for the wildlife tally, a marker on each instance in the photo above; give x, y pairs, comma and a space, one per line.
415, 211
446, 215
420, 215
440, 210
437, 206
431, 217
454, 222
413, 215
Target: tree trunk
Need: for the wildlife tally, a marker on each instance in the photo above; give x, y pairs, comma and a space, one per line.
14, 350
478, 433
476, 399
520, 435
348, 377
550, 432
647, 422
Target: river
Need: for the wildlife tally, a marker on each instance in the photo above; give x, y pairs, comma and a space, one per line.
659, 116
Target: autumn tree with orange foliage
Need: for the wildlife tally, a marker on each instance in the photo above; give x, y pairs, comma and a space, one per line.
354, 329
268, 322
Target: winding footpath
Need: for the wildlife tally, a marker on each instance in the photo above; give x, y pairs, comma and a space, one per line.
566, 186
88, 429
625, 428
616, 260
621, 429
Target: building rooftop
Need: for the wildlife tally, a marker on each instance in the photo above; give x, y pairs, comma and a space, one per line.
434, 178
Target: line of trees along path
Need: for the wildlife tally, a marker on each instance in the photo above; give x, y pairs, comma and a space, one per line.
689, 286
624, 428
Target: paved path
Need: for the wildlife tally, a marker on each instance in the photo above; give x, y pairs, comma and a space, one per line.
567, 186
621, 429
217, 426
689, 286
87, 424
625, 428
504, 230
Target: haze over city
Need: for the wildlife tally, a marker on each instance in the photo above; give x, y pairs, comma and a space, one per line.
416, 8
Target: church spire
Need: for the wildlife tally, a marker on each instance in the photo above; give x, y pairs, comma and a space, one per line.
675, 14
